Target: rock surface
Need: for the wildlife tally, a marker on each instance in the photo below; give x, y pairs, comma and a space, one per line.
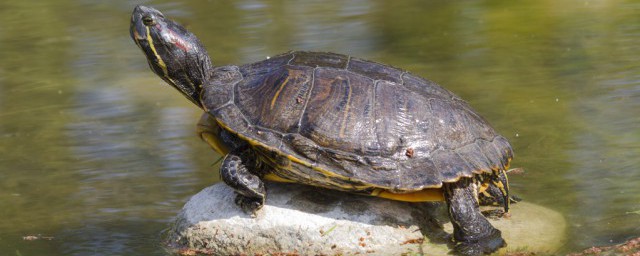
303, 220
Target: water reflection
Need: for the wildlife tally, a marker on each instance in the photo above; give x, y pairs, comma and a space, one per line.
606, 154
99, 153
119, 144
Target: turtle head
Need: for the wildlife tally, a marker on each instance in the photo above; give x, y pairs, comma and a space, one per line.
173, 53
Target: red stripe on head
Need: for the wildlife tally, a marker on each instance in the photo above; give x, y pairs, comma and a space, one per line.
179, 41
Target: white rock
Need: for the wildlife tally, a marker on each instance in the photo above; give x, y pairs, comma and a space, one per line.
305, 220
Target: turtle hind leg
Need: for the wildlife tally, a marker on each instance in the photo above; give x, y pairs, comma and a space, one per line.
497, 194
492, 196
249, 188
472, 232
501, 181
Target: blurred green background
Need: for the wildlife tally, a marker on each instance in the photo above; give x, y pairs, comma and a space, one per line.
98, 153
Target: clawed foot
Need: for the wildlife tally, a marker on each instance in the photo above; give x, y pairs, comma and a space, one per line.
239, 171
496, 201
486, 245
249, 205
514, 199
496, 214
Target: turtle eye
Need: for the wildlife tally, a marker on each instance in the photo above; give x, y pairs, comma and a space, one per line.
148, 21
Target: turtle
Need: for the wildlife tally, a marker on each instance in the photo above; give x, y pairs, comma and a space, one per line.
336, 122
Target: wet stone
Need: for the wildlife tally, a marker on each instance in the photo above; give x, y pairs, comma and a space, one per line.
304, 220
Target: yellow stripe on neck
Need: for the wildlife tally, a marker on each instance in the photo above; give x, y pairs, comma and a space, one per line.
161, 63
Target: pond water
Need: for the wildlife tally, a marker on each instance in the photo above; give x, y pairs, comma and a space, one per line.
99, 154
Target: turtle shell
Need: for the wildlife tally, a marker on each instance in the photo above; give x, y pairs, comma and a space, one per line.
341, 122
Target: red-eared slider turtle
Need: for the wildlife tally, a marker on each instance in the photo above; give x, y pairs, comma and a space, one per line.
337, 122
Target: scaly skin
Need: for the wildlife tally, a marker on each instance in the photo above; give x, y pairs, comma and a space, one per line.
249, 188
472, 232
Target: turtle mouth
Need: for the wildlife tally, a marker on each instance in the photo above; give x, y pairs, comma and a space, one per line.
137, 32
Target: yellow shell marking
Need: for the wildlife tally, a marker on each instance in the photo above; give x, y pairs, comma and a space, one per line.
275, 97
425, 195
209, 131
215, 143
343, 124
276, 178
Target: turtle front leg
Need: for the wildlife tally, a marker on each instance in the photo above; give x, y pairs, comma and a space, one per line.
472, 232
239, 171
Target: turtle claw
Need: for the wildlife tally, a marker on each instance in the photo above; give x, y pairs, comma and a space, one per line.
496, 214
249, 205
484, 246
